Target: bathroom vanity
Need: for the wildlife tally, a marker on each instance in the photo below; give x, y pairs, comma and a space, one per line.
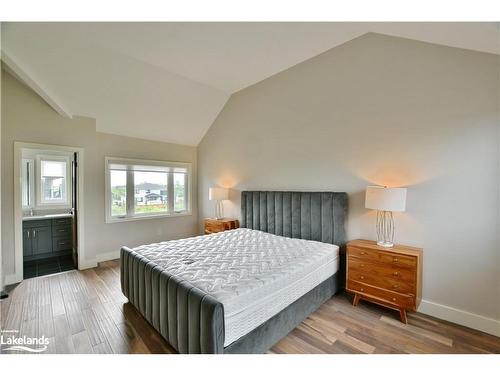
47, 236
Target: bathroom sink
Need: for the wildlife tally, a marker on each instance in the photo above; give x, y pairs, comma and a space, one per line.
46, 216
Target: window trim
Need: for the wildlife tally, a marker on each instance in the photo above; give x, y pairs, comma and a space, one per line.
30, 182
41, 203
130, 216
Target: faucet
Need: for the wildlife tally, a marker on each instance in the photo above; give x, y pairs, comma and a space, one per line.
31, 212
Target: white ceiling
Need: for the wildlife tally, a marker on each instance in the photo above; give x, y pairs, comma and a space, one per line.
169, 81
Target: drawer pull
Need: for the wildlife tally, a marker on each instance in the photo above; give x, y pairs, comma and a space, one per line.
394, 299
395, 286
361, 289
395, 260
396, 273
361, 277
362, 265
62, 230
363, 253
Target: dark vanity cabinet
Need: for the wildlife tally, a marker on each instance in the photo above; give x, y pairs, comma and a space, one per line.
27, 247
62, 235
47, 237
41, 242
37, 237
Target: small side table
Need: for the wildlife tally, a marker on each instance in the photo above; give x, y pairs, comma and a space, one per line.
391, 277
220, 225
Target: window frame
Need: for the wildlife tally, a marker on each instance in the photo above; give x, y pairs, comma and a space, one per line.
29, 182
40, 201
130, 203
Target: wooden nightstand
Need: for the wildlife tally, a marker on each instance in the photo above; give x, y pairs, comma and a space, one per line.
391, 277
214, 225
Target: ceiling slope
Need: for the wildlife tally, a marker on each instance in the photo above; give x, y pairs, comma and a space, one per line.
169, 81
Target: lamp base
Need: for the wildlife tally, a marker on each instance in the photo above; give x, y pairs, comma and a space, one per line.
385, 229
385, 244
219, 210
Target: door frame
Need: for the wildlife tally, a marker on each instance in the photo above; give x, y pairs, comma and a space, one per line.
18, 204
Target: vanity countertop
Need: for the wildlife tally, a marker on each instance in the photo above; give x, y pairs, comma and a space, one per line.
46, 216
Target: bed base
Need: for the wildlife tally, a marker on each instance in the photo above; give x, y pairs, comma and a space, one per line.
192, 321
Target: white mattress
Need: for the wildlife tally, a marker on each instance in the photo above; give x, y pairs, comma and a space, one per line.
253, 274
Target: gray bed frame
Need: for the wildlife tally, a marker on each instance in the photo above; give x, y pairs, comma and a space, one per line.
192, 321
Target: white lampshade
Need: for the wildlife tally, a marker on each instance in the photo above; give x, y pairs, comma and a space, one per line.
385, 199
218, 194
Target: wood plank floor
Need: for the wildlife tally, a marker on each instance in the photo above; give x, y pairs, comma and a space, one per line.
85, 312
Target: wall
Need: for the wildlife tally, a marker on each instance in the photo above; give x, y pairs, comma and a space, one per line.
2, 275
389, 111
134, 233
27, 118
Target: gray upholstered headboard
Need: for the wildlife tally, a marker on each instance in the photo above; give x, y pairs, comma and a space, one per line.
318, 216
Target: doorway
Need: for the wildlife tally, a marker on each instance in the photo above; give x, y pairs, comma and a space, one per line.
48, 216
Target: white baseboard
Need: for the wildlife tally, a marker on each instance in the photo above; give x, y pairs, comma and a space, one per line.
110, 255
83, 265
465, 318
12, 279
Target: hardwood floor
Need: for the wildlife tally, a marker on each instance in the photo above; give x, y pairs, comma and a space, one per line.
85, 312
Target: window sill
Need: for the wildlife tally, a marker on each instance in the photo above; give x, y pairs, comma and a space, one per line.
112, 220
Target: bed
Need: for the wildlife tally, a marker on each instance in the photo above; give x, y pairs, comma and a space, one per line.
243, 290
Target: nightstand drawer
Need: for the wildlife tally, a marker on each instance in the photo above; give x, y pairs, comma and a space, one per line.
393, 272
215, 226
382, 256
398, 259
364, 254
212, 230
393, 298
382, 282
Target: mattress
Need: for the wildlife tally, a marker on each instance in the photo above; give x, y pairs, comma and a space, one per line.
253, 274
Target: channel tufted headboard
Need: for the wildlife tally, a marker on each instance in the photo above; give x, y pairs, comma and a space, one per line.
318, 216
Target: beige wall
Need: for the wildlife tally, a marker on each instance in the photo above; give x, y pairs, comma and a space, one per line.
134, 233
27, 118
388, 111
2, 276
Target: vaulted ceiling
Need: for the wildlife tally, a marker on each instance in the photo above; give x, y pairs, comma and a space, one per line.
169, 81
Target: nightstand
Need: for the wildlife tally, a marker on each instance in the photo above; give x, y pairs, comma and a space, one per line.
220, 225
391, 277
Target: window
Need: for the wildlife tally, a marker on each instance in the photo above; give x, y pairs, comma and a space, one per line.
53, 188
53, 179
180, 191
138, 189
28, 183
46, 179
149, 187
118, 181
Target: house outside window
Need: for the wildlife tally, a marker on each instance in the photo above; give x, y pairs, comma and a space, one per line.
54, 184
137, 189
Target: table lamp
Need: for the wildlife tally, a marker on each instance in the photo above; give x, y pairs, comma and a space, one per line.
386, 201
218, 195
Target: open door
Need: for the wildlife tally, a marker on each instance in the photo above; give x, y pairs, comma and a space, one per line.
74, 173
